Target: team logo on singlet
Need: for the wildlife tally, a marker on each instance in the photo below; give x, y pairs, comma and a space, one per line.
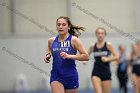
65, 44
102, 53
63, 47
136, 61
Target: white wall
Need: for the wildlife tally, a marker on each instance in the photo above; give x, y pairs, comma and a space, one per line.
31, 16
43, 12
118, 13
137, 15
30, 49
5, 17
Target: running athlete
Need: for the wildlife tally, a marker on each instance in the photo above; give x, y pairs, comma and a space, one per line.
63, 48
135, 62
122, 70
101, 75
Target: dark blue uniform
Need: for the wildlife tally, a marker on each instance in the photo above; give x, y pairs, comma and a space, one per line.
101, 69
122, 72
122, 67
64, 70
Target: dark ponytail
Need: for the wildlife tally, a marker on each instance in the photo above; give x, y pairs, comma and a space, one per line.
74, 30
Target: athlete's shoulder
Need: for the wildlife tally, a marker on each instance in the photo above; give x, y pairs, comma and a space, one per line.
76, 42
51, 39
109, 45
92, 45
75, 39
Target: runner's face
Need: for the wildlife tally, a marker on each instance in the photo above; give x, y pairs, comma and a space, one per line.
100, 34
62, 26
